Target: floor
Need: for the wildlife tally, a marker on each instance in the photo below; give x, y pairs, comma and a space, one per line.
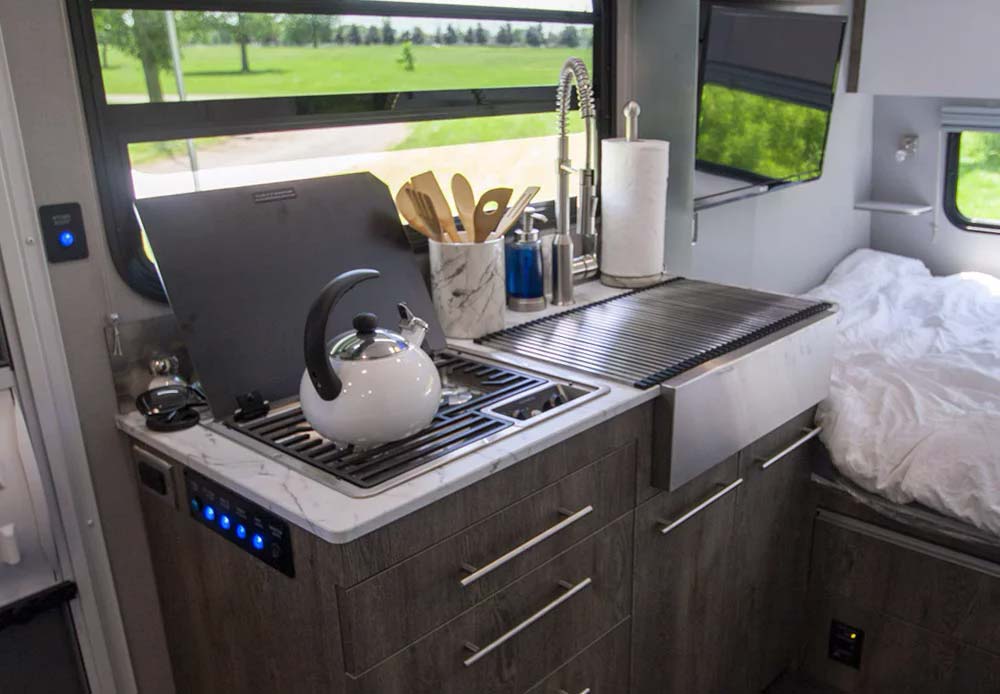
799, 684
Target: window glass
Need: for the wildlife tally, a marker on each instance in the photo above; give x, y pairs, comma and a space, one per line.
977, 192
245, 55
510, 151
769, 137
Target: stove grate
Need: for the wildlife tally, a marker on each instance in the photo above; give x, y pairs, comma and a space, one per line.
456, 426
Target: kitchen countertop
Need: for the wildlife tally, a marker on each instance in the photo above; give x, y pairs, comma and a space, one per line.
338, 518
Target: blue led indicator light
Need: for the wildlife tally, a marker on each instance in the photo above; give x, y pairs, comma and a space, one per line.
258, 541
67, 239
241, 531
224, 522
209, 513
195, 505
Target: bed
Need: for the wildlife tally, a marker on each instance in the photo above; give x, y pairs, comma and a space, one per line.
914, 409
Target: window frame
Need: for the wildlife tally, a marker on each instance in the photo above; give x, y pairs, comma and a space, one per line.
951, 174
111, 127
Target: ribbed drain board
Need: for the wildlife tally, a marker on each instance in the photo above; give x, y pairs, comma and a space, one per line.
650, 335
454, 426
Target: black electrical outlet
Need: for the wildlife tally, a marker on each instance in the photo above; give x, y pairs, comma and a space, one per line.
62, 232
846, 643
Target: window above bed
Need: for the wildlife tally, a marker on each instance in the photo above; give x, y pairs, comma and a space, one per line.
972, 180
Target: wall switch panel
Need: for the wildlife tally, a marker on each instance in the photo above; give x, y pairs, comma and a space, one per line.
846, 643
255, 530
62, 232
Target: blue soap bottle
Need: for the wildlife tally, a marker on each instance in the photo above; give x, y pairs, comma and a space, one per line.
525, 285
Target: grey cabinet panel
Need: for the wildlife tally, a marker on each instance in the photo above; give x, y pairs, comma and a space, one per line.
436, 663
685, 635
397, 606
773, 529
601, 669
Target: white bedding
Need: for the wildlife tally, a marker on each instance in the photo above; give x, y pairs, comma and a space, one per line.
914, 406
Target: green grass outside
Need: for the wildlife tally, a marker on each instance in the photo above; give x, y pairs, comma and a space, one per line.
214, 71
978, 195
487, 129
759, 134
211, 71
978, 191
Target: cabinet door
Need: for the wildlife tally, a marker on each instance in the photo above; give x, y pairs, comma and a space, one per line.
774, 530
686, 611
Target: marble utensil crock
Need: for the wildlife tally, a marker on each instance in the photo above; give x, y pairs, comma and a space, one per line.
467, 283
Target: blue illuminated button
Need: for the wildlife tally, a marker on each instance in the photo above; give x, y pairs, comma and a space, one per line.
258, 541
67, 239
224, 522
195, 505
209, 513
241, 531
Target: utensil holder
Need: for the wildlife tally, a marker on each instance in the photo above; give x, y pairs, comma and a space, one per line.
467, 283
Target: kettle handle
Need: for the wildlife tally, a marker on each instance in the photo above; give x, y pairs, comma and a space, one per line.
323, 377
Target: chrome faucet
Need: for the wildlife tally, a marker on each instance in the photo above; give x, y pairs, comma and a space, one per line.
565, 267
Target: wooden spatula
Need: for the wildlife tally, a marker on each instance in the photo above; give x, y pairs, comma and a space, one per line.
425, 211
405, 206
427, 184
485, 222
465, 203
513, 212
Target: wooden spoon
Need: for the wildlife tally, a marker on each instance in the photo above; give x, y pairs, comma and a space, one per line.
427, 184
406, 208
465, 203
486, 221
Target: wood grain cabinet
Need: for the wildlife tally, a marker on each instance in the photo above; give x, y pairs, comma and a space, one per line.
774, 528
565, 573
721, 571
686, 611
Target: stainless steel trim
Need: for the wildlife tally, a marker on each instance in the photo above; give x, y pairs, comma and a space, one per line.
478, 653
525, 546
892, 537
672, 525
810, 434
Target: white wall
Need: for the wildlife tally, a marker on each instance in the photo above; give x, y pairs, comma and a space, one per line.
944, 247
788, 241
46, 92
931, 48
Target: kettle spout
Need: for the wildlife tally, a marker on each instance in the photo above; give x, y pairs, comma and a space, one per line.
412, 328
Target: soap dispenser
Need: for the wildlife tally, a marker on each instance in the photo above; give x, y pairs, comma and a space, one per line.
525, 286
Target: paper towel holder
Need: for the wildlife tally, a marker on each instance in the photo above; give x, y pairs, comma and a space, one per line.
631, 113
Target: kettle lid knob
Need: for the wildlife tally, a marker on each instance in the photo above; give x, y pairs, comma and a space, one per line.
365, 323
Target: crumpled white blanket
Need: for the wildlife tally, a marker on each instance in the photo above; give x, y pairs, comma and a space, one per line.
914, 406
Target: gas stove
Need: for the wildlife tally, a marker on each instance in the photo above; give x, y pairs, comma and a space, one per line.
481, 402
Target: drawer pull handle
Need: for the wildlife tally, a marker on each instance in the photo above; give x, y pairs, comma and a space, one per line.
572, 518
563, 691
809, 434
478, 653
671, 525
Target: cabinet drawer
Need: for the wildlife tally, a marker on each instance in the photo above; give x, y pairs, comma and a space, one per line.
395, 607
513, 639
601, 669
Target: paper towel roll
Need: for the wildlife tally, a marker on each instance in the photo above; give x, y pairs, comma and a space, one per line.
633, 210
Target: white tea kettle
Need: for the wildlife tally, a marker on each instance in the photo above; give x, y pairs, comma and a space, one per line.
368, 385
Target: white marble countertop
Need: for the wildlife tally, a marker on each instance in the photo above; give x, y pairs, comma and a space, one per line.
338, 518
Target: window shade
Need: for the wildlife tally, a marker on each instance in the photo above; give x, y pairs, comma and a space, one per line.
958, 118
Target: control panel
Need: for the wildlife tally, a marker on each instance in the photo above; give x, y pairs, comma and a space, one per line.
243, 523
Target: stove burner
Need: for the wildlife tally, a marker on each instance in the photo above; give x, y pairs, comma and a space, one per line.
467, 388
